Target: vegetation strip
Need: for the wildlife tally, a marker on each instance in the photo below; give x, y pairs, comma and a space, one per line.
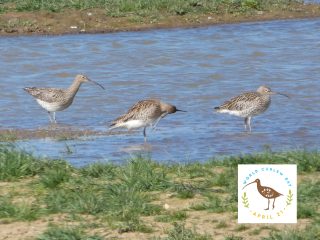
92, 16
145, 197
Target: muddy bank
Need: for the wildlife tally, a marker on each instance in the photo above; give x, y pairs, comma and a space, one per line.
95, 20
59, 133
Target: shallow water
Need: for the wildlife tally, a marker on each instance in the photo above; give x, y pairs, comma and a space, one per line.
195, 69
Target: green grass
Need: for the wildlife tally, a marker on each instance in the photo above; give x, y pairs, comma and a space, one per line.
308, 199
15, 163
66, 233
213, 203
144, 174
8, 137
99, 170
172, 217
311, 232
233, 237
126, 198
180, 232
20, 212
118, 8
184, 191
242, 227
307, 161
222, 224
120, 196
53, 177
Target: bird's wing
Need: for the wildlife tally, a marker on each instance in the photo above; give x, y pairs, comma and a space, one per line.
45, 94
142, 110
240, 102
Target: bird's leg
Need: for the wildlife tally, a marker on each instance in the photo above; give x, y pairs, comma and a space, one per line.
154, 125
144, 134
273, 203
50, 119
247, 123
54, 117
268, 204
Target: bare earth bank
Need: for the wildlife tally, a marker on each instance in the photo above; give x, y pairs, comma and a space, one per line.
95, 20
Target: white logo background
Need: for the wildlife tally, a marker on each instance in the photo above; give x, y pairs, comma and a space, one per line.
251, 204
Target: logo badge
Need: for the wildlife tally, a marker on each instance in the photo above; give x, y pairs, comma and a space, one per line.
267, 193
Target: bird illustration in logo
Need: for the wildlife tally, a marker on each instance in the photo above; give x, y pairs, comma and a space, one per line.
266, 192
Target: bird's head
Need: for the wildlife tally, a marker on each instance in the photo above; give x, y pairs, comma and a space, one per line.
172, 109
255, 181
264, 90
83, 78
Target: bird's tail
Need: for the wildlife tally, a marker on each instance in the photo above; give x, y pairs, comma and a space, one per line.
217, 109
114, 125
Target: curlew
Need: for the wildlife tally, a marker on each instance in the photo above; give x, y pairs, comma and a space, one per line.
249, 104
266, 192
55, 99
143, 114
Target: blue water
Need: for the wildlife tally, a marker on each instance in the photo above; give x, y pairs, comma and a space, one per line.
195, 69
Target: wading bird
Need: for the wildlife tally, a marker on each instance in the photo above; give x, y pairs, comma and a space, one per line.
55, 99
249, 104
143, 114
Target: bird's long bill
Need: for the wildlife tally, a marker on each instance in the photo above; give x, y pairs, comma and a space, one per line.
248, 184
96, 84
282, 94
178, 110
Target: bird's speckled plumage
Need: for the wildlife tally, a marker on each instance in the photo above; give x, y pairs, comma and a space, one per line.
248, 104
145, 110
55, 99
143, 114
48, 95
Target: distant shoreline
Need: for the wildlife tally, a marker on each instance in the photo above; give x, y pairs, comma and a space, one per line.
71, 21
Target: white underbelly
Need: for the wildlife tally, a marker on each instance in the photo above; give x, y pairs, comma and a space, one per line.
133, 124
54, 106
235, 113
250, 112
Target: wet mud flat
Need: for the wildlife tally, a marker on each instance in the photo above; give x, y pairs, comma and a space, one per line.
59, 133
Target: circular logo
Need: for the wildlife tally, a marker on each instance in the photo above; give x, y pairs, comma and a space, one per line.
267, 193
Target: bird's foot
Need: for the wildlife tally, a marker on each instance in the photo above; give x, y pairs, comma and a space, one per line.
53, 126
147, 147
267, 209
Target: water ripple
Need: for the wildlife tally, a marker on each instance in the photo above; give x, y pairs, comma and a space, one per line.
195, 69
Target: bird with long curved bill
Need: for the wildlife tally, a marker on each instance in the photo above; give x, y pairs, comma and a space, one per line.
56, 99
249, 104
143, 114
266, 192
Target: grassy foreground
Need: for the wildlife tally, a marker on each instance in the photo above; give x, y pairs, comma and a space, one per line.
142, 199
73, 16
